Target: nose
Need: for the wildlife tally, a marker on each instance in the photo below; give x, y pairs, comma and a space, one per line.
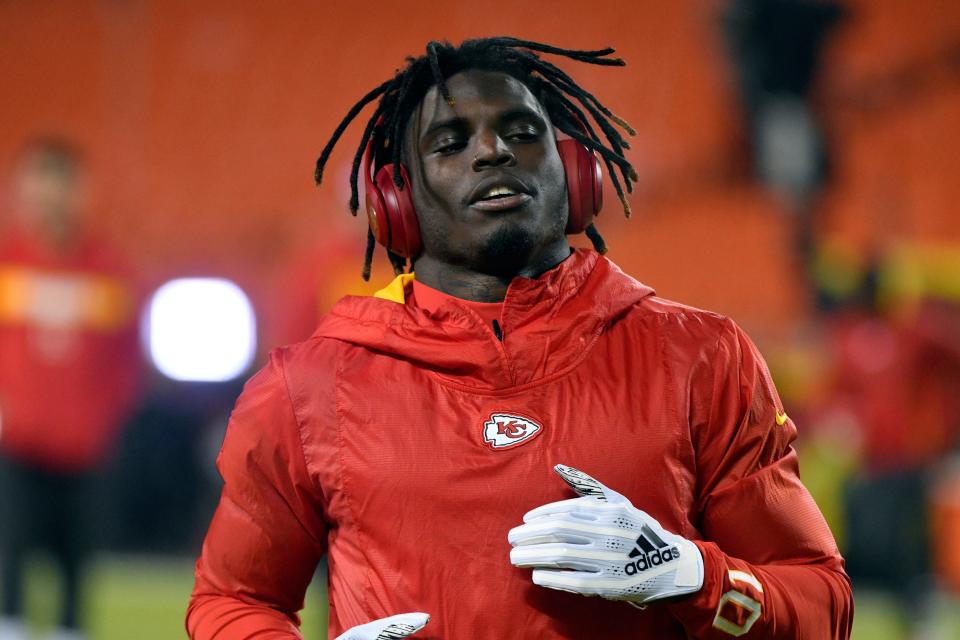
491, 151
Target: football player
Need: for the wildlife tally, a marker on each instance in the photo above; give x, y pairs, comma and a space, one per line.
515, 405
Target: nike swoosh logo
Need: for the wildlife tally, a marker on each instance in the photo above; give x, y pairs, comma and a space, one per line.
781, 419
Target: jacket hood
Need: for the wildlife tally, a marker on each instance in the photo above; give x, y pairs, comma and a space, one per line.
548, 324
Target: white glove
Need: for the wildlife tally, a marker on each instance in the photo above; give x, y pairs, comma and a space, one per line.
401, 625
614, 550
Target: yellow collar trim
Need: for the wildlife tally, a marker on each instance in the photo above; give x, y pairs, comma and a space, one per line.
396, 291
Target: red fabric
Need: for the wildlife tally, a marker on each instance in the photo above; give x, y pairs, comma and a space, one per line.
365, 443
430, 300
69, 352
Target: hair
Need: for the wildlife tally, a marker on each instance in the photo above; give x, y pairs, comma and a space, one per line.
567, 105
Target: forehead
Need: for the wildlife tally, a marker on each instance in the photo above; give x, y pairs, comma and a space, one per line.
478, 94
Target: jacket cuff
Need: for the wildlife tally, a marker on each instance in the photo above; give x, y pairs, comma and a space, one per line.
697, 610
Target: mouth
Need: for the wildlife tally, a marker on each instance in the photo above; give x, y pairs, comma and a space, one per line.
500, 194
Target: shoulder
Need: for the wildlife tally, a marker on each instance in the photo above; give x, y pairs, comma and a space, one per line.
710, 350
666, 310
637, 304
354, 324
14, 247
682, 332
314, 358
294, 388
682, 327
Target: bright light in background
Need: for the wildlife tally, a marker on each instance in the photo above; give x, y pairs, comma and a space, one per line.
201, 329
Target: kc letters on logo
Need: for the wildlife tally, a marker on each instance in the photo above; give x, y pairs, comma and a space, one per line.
503, 430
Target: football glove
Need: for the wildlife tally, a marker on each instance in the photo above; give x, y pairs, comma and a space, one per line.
601, 545
402, 625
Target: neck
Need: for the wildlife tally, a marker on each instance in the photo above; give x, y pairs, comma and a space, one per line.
51, 230
467, 283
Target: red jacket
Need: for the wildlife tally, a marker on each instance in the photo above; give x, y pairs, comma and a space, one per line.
69, 353
366, 443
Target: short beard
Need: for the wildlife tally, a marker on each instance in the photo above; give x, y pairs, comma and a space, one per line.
505, 252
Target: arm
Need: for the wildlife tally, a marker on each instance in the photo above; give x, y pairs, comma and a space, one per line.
268, 533
772, 568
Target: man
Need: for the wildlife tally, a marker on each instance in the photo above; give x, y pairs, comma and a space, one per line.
69, 365
408, 438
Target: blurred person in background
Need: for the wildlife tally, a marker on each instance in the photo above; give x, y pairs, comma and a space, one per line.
892, 382
69, 374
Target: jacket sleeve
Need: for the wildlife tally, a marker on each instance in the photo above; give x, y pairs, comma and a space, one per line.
267, 534
772, 568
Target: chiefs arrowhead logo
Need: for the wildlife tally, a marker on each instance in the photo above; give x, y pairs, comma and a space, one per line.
505, 430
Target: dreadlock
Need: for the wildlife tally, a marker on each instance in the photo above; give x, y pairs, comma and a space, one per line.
567, 104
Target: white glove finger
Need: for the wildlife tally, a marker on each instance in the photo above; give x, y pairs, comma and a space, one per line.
574, 531
581, 582
593, 584
593, 516
655, 584
586, 485
401, 625
551, 564
583, 557
584, 508
404, 625
518, 537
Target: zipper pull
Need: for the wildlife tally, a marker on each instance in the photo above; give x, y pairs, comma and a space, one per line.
497, 331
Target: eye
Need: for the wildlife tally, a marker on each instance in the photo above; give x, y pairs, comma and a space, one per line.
447, 146
526, 133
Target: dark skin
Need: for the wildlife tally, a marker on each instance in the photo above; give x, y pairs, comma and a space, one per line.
497, 134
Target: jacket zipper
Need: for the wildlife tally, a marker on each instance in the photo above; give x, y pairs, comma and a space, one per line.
497, 331
505, 360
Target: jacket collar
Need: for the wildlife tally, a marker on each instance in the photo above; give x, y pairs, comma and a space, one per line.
549, 324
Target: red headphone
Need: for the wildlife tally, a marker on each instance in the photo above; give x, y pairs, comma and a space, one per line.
393, 218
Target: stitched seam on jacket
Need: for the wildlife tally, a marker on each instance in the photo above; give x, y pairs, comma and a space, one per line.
296, 419
701, 499
303, 451
367, 579
687, 503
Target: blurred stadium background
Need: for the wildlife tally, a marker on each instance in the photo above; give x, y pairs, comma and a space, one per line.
798, 164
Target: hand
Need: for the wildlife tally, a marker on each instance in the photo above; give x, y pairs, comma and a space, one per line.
601, 545
402, 625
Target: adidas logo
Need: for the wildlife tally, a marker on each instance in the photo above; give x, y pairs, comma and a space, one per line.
651, 551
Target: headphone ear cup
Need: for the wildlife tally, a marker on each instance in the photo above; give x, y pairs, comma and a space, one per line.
597, 181
391, 213
408, 216
377, 216
584, 184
